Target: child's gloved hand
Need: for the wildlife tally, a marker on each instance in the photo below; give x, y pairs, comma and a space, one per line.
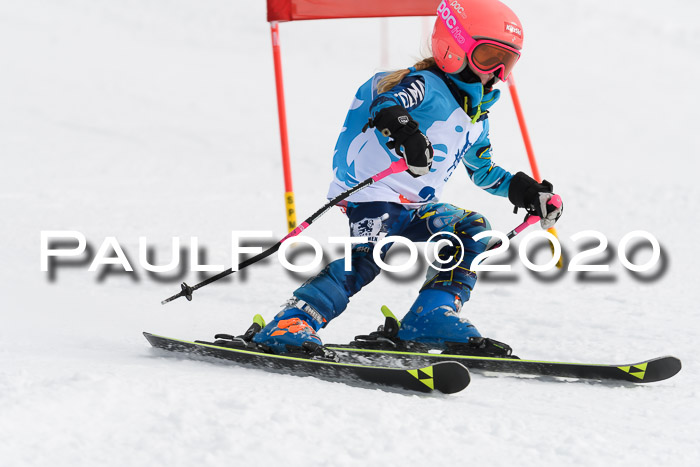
406, 139
550, 209
536, 198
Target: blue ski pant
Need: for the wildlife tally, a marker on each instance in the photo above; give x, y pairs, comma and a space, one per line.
329, 291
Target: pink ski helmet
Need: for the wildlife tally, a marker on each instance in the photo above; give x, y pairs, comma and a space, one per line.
485, 33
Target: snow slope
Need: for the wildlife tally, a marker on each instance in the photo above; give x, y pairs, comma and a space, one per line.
158, 118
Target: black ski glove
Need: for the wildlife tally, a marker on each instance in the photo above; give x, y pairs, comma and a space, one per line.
406, 139
525, 192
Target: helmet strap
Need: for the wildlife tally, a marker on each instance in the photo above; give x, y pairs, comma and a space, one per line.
468, 76
489, 85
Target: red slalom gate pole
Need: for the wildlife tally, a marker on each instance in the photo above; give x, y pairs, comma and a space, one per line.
523, 128
528, 146
284, 140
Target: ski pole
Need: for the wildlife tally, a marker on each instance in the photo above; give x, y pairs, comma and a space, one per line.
187, 291
529, 220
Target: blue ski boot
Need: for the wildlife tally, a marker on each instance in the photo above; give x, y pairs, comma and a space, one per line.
434, 320
293, 331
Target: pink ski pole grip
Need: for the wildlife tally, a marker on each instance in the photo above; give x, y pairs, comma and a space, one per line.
555, 201
395, 167
532, 220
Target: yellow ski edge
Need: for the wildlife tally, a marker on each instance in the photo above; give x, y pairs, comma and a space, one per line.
454, 357
281, 357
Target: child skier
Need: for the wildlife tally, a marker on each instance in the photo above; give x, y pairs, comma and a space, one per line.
434, 114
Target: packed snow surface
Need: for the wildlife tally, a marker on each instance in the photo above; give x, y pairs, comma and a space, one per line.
158, 119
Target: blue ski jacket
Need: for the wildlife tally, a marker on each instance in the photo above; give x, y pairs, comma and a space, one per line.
451, 113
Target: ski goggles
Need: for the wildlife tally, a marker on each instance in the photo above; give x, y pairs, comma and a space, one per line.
489, 56
484, 55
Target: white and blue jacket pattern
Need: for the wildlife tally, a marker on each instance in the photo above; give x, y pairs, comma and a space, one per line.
431, 97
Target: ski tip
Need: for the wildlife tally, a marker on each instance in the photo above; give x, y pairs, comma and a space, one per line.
652, 371
450, 377
678, 364
672, 365
149, 337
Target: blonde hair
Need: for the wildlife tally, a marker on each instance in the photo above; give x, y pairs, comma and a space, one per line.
395, 77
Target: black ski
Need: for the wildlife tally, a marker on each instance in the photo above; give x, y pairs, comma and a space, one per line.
445, 376
648, 371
